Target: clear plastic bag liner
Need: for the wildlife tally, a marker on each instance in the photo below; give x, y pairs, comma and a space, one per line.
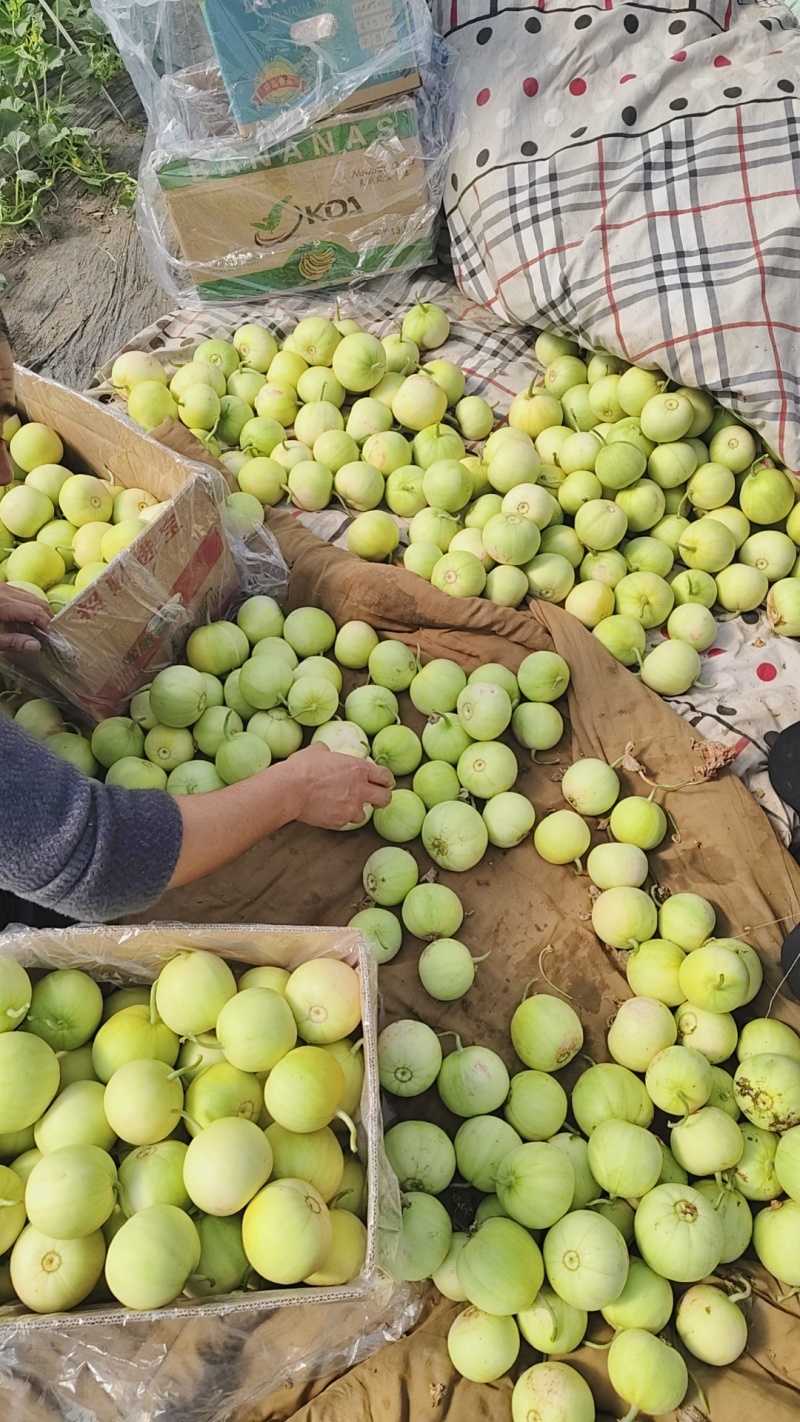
227, 218
268, 68
211, 1359
185, 567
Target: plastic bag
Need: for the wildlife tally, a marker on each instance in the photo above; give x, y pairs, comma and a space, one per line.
275, 68
228, 218
105, 1363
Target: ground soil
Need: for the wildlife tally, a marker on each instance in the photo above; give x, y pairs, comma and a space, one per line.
82, 288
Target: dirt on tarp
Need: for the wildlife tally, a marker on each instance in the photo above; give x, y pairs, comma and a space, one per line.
517, 906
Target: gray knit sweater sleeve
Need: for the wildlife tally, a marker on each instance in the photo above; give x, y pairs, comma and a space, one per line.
89, 851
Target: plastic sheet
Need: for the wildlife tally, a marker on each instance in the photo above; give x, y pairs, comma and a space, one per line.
290, 147
353, 196
277, 68
104, 1362
185, 567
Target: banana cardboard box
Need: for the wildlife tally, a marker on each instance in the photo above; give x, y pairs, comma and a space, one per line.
343, 200
275, 54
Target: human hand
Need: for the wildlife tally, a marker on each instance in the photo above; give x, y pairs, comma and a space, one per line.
332, 789
22, 610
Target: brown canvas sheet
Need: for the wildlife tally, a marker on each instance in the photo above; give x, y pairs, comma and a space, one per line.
517, 906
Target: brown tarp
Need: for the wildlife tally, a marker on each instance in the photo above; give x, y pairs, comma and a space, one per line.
517, 906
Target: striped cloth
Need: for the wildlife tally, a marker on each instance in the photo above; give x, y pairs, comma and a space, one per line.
629, 172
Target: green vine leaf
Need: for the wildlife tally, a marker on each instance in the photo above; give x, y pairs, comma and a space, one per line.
36, 63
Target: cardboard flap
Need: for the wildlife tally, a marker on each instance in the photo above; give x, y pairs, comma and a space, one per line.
175, 436
135, 617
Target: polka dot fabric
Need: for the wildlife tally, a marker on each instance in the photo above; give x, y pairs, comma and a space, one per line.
748, 691
630, 173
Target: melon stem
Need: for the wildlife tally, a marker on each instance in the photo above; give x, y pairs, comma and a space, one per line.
687, 1113
450, 1033
699, 1391
350, 1124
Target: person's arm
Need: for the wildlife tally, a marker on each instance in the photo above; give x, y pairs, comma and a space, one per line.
68, 843
315, 786
98, 852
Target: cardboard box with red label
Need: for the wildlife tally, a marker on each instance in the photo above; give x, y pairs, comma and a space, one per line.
135, 617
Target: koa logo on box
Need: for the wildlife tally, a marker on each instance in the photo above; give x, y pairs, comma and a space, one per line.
285, 219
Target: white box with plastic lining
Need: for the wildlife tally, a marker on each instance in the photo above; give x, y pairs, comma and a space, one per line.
120, 956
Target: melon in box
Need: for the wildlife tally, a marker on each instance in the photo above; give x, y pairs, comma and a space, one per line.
344, 199
123, 957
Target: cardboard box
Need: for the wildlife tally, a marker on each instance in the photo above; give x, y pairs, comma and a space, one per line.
196, 101
136, 617
273, 57
346, 198
123, 955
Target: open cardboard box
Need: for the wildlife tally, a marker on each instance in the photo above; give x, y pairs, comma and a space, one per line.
135, 618
121, 955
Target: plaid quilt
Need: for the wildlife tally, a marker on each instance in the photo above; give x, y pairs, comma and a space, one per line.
629, 172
